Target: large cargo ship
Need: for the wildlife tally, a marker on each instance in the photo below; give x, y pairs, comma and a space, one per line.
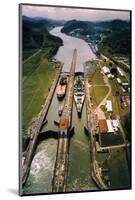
61, 88
79, 94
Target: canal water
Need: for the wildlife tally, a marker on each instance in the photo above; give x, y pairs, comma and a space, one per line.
79, 172
65, 52
41, 172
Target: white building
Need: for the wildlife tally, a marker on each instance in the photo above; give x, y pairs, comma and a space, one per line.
125, 84
106, 70
115, 124
123, 90
110, 76
108, 106
119, 80
110, 126
120, 71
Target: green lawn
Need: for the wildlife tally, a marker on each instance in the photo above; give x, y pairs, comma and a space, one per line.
97, 77
98, 90
98, 93
35, 89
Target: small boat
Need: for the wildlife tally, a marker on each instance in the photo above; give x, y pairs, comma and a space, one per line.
60, 110
61, 88
79, 94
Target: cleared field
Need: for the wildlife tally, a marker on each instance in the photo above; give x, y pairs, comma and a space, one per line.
97, 77
98, 94
32, 64
98, 89
35, 89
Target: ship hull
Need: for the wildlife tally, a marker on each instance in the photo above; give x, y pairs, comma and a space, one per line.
61, 88
79, 94
79, 104
60, 97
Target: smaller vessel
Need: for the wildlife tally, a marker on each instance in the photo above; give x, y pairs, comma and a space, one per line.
60, 110
79, 94
61, 88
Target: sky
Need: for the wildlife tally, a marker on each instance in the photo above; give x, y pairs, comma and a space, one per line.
70, 13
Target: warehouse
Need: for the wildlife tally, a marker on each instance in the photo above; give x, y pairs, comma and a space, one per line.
120, 71
108, 106
110, 76
106, 70
119, 81
110, 126
115, 124
102, 126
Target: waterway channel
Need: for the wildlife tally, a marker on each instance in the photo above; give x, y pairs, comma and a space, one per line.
41, 172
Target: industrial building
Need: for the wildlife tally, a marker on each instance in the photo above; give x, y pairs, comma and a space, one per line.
119, 81
115, 124
108, 105
106, 70
120, 71
102, 126
108, 126
110, 76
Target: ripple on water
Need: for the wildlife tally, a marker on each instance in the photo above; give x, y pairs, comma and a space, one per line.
42, 166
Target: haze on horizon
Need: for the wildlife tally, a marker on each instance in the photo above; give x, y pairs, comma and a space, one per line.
59, 13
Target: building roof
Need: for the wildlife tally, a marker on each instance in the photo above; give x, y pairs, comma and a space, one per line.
105, 70
118, 80
125, 84
102, 126
115, 124
110, 76
120, 71
109, 105
110, 126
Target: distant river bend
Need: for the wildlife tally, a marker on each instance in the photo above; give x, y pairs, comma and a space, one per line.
65, 52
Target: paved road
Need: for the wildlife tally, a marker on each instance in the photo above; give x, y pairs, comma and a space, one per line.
100, 149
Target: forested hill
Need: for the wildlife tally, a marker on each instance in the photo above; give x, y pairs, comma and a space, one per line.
113, 37
96, 27
35, 35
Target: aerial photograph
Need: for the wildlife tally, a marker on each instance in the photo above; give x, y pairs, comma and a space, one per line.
75, 93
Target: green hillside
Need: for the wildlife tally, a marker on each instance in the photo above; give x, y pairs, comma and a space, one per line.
112, 37
35, 36
38, 71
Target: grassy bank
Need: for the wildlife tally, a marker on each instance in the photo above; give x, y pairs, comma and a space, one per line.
37, 71
35, 89
29, 52
98, 94
98, 89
